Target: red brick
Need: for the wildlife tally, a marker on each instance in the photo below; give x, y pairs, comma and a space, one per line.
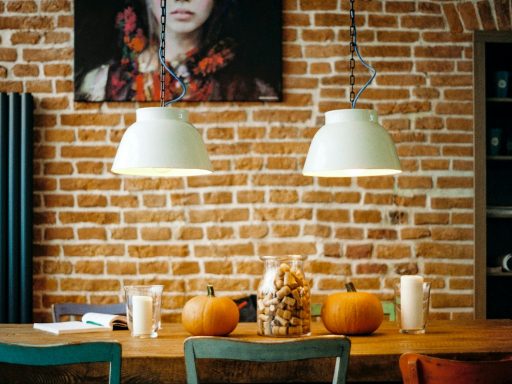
387, 21
53, 37
141, 216
25, 6
218, 215
362, 251
397, 36
452, 16
415, 182
468, 14
333, 215
452, 233
393, 251
64, 233
422, 22
450, 203
502, 11
55, 5
389, 234
444, 250
190, 233
349, 233
440, 51
364, 269
155, 201
217, 232
443, 300
21, 70
89, 217
400, 6
296, 19
367, 216
157, 250
317, 230
486, 15
256, 231
155, 234
92, 233
90, 119
224, 250
414, 233
455, 182
429, 7
58, 200
282, 213
93, 250
11, 86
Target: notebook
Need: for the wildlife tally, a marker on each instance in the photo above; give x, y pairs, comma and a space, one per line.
91, 322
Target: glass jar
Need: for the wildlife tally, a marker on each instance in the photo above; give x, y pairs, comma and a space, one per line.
283, 298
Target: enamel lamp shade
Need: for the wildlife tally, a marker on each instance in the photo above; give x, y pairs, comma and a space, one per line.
162, 143
351, 143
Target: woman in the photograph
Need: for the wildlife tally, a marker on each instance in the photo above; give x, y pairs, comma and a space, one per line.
200, 47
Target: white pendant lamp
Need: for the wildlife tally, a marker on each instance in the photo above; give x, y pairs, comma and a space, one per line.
352, 143
162, 142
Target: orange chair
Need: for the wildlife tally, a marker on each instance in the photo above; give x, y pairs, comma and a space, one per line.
421, 369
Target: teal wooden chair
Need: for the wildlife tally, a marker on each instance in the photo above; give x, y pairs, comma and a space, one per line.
93, 352
206, 347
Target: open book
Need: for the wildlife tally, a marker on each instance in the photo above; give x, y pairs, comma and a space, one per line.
91, 322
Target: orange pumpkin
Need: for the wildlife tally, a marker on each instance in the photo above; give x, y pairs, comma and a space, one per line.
210, 315
352, 313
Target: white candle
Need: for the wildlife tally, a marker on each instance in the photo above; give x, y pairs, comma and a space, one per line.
411, 302
142, 313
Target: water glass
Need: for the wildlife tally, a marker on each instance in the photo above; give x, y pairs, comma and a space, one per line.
143, 303
412, 309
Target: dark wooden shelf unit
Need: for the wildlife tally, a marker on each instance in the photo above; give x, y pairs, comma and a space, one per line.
493, 174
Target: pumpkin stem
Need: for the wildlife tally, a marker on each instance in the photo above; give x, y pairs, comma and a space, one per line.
209, 291
350, 287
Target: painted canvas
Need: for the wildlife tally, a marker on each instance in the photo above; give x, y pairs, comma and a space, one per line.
224, 50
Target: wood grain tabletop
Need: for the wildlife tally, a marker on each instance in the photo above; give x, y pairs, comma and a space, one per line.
372, 358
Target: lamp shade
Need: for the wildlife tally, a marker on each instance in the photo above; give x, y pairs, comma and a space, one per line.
351, 143
162, 143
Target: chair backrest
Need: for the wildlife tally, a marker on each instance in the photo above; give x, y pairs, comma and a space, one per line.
205, 347
92, 352
75, 309
389, 310
421, 369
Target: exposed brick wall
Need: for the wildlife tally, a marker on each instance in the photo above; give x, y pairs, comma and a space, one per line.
96, 231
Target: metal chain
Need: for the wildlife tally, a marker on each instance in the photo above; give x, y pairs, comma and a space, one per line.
352, 50
163, 17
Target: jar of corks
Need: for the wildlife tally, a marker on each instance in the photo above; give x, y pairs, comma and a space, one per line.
283, 298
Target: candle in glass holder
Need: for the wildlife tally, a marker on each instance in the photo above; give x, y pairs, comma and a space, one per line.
411, 302
142, 315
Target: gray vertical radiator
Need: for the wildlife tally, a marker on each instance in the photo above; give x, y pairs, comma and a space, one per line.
16, 153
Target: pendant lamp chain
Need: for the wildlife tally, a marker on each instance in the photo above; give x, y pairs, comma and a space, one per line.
354, 48
163, 18
163, 65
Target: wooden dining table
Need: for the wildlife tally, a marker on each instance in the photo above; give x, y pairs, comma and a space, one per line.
373, 358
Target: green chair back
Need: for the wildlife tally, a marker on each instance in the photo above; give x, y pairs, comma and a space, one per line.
93, 352
205, 347
389, 310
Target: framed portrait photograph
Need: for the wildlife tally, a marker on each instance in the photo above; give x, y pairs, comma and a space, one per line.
223, 50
